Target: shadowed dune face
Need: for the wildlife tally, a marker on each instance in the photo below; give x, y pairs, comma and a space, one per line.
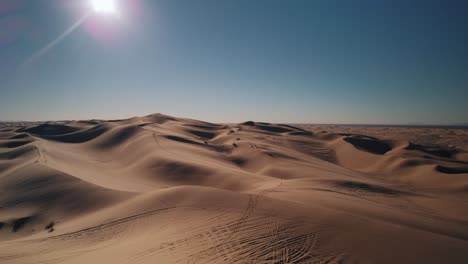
369, 144
17, 152
49, 130
365, 187
453, 170
116, 136
273, 128
14, 143
173, 190
37, 185
179, 173
19, 136
202, 134
182, 140
80, 136
436, 151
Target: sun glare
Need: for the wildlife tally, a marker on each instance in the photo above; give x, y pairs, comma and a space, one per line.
104, 6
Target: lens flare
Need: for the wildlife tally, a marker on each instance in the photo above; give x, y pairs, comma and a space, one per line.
104, 6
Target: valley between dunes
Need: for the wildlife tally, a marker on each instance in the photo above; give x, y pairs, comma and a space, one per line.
160, 189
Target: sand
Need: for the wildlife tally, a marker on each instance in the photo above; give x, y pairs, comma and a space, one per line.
160, 189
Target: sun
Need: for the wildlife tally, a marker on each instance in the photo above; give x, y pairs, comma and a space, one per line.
104, 6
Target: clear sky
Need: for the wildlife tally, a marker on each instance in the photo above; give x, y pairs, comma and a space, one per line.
308, 61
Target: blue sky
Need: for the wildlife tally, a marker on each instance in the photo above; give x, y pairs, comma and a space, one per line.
307, 61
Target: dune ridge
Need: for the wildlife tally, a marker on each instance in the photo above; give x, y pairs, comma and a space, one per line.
176, 190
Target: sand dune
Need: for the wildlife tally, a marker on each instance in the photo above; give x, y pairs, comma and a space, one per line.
160, 189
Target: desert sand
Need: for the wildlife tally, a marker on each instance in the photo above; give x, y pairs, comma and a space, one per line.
160, 189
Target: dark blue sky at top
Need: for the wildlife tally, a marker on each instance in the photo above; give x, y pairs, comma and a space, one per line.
305, 61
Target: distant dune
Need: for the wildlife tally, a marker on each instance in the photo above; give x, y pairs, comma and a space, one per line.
160, 189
